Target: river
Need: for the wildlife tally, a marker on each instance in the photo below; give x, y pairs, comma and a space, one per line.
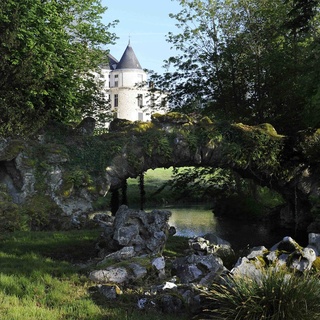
197, 220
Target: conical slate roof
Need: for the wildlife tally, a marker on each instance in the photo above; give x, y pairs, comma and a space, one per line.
128, 60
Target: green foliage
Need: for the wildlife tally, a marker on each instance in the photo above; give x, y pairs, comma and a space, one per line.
48, 53
300, 16
101, 203
246, 61
240, 206
154, 142
275, 295
11, 218
316, 265
230, 195
87, 156
248, 146
176, 246
310, 145
171, 117
93, 153
200, 184
157, 193
74, 179
42, 213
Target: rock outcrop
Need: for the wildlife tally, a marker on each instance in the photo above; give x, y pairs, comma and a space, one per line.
135, 233
124, 261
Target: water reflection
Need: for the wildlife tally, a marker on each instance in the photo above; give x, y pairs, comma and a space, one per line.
192, 221
198, 220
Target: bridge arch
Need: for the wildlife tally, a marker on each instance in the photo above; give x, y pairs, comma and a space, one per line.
255, 152
70, 167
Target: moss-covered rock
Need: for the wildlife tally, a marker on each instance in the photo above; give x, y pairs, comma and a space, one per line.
268, 128
171, 117
9, 149
316, 265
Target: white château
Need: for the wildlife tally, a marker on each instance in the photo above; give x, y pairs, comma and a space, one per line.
127, 87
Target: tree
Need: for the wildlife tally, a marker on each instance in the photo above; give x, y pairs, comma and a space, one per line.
239, 60
301, 14
49, 50
246, 61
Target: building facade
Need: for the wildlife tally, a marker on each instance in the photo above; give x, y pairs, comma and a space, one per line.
126, 85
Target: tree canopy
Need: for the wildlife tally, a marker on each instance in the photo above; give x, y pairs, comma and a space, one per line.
247, 61
49, 50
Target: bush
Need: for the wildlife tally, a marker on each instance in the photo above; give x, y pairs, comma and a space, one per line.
42, 212
11, 218
276, 295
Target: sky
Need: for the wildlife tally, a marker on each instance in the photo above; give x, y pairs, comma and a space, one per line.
145, 23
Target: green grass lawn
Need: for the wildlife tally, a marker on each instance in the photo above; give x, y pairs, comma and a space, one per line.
153, 180
39, 280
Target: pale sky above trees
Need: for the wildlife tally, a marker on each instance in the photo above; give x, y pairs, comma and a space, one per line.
146, 23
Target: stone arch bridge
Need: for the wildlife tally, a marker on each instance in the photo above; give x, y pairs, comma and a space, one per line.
71, 167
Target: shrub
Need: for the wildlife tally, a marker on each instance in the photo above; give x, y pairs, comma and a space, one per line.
11, 218
276, 295
42, 212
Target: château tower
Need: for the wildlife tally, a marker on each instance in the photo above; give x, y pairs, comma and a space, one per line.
126, 84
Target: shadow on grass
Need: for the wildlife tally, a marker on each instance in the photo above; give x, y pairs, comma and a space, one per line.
37, 273
71, 246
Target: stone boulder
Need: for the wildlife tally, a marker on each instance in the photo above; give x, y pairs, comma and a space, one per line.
201, 269
192, 274
142, 232
314, 242
111, 292
212, 244
286, 252
111, 274
87, 126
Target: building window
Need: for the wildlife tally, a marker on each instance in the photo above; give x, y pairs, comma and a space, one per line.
140, 116
116, 80
140, 100
116, 100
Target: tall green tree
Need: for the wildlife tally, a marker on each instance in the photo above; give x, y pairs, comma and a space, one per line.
49, 51
246, 61
241, 61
